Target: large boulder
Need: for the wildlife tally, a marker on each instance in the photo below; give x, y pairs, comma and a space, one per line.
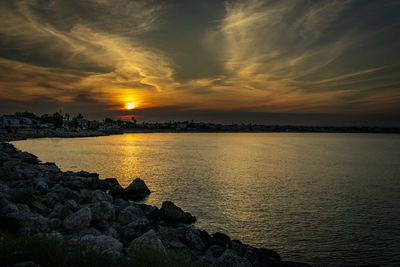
172, 213
136, 190
198, 240
104, 243
92, 196
147, 240
134, 229
78, 220
172, 238
107, 183
130, 214
232, 259
102, 211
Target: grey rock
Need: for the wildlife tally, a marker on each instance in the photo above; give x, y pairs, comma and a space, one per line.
108, 183
117, 191
221, 239
137, 190
171, 212
24, 220
40, 208
102, 211
60, 211
51, 199
69, 194
49, 168
129, 214
87, 174
133, 230
78, 220
71, 204
90, 196
41, 187
232, 259
197, 239
173, 238
58, 188
213, 252
147, 240
110, 231
26, 264
104, 243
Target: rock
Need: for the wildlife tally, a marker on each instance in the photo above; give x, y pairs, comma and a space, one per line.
41, 187
221, 239
51, 199
299, 264
136, 190
26, 157
117, 191
257, 256
91, 196
212, 253
40, 208
152, 212
78, 220
87, 174
130, 214
197, 239
133, 230
108, 183
23, 220
173, 238
147, 240
58, 188
104, 243
49, 167
26, 264
60, 211
121, 203
172, 213
102, 211
71, 204
110, 231
232, 259
69, 194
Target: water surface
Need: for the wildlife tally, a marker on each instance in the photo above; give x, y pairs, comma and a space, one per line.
316, 198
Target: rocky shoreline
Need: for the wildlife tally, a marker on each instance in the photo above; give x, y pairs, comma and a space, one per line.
79, 207
7, 137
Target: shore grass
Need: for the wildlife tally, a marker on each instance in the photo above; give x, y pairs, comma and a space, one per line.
25, 196
53, 252
48, 252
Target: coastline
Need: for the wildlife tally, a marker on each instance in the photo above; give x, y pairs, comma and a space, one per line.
78, 206
7, 137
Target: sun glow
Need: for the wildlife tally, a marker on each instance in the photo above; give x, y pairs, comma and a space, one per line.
130, 105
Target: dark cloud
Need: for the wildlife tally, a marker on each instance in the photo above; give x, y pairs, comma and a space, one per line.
208, 58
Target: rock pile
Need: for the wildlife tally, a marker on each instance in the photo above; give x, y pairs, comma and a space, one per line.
38, 198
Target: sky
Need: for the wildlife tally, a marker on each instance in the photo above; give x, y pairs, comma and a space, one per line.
326, 62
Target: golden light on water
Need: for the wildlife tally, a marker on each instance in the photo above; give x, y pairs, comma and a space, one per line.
130, 105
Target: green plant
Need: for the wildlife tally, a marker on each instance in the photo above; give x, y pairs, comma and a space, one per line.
150, 257
24, 197
48, 252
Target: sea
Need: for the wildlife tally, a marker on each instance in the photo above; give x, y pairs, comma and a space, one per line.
319, 198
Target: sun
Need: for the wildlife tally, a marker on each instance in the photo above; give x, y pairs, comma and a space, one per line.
130, 105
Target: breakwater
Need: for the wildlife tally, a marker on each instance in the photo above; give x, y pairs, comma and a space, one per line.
79, 207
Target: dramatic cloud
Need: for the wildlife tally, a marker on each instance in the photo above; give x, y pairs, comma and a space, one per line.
207, 57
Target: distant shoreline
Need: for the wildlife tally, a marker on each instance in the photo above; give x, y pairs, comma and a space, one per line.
278, 129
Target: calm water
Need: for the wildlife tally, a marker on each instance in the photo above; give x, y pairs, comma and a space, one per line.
316, 198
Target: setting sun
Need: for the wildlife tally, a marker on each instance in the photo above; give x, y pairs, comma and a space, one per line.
130, 105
